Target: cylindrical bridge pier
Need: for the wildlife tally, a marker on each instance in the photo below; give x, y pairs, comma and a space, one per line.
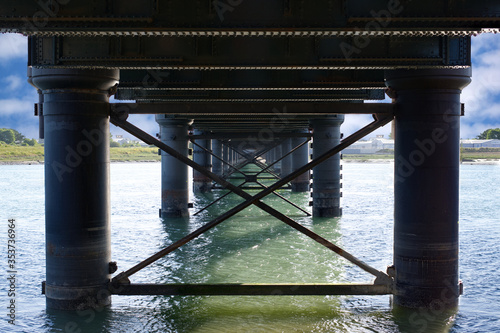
426, 185
174, 174
326, 176
217, 164
300, 157
286, 163
77, 206
201, 155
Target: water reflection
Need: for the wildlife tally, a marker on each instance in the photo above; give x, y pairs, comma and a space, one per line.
91, 320
433, 320
252, 247
366, 229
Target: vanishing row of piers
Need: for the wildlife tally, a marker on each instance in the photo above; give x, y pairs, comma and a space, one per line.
76, 118
225, 156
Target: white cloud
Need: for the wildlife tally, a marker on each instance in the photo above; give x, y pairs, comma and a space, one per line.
13, 46
482, 96
472, 130
483, 43
14, 82
13, 106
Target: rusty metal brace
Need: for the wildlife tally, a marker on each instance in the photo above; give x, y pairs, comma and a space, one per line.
381, 276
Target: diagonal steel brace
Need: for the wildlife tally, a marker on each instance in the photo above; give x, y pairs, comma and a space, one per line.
284, 156
254, 158
217, 200
381, 277
217, 157
285, 199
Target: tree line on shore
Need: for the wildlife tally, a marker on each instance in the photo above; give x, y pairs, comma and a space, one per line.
492, 133
12, 137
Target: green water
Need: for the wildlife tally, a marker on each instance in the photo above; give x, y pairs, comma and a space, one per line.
253, 247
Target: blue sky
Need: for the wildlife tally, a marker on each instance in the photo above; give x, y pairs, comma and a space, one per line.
481, 97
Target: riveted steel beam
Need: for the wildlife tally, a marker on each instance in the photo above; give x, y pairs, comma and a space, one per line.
245, 129
250, 53
167, 94
241, 137
251, 79
280, 110
257, 17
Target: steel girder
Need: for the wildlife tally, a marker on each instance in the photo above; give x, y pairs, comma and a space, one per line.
285, 111
258, 17
250, 53
251, 79
172, 95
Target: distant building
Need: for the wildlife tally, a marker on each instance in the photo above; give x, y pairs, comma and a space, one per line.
492, 143
120, 139
374, 145
141, 143
370, 146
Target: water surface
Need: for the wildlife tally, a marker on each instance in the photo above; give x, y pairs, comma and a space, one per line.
254, 247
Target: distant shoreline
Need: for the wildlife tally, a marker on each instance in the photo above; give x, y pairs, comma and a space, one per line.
382, 161
42, 162
346, 160
32, 155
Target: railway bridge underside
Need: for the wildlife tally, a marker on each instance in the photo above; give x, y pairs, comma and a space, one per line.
250, 83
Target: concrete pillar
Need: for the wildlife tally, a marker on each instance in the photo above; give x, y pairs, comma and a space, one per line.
300, 157
286, 163
427, 132
216, 163
77, 204
326, 176
174, 174
201, 183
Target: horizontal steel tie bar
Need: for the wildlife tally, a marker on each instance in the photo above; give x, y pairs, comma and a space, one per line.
292, 109
381, 277
248, 289
260, 177
242, 187
246, 135
286, 200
